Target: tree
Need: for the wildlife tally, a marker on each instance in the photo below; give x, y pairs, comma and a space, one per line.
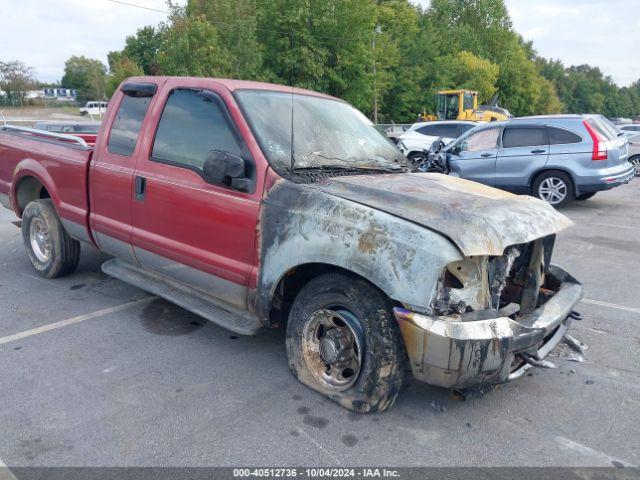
123, 68
236, 23
87, 75
15, 79
141, 48
465, 70
190, 46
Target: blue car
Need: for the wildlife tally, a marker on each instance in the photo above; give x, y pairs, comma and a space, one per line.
557, 158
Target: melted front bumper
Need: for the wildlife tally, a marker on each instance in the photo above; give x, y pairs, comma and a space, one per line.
450, 353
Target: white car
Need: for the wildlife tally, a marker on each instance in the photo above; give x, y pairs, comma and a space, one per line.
421, 136
96, 109
630, 129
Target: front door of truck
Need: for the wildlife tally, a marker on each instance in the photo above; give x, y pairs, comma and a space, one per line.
111, 170
198, 233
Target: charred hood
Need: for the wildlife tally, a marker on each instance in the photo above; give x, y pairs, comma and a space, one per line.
480, 220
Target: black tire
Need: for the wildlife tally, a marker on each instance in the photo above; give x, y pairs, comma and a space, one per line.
585, 196
554, 176
60, 254
381, 371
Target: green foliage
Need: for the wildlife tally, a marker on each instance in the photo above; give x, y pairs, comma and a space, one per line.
15, 78
190, 46
122, 68
141, 48
87, 75
385, 52
465, 70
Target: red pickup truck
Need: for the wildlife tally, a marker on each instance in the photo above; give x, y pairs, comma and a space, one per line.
259, 205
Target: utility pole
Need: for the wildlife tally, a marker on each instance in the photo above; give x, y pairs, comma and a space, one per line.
377, 31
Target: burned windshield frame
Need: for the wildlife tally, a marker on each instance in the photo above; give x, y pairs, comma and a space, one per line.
383, 156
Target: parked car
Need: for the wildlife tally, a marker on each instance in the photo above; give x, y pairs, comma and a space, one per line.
88, 131
634, 153
420, 136
555, 158
195, 189
630, 129
95, 109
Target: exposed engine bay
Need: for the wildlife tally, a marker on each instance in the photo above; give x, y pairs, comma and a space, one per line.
483, 287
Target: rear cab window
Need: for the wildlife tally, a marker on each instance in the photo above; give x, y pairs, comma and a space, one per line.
125, 128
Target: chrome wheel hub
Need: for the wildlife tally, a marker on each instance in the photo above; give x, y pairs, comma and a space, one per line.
553, 190
332, 347
40, 240
636, 164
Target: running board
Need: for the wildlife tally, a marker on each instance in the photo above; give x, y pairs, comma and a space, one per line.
192, 300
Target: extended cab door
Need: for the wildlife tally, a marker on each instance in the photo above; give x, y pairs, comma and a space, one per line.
111, 170
474, 157
199, 233
525, 149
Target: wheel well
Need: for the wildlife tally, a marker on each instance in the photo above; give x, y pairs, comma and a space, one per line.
28, 190
294, 280
535, 176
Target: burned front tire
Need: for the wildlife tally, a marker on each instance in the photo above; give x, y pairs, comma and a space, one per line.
51, 251
343, 341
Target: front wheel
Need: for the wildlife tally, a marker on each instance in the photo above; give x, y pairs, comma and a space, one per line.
554, 187
343, 342
51, 251
635, 161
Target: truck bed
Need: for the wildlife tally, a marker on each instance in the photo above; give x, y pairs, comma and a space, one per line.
59, 162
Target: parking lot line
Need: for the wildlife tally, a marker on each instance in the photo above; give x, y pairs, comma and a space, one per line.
624, 308
590, 452
72, 321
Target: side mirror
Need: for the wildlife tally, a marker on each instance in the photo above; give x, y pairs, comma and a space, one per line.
224, 168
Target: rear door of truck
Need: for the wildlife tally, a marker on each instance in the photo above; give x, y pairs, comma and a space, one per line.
111, 176
198, 233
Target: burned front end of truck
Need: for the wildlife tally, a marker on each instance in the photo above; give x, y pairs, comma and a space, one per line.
491, 318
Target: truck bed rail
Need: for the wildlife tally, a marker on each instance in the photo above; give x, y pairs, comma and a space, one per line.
62, 138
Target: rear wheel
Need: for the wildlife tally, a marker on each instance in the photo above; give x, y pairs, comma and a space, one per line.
635, 161
554, 187
52, 252
343, 342
585, 196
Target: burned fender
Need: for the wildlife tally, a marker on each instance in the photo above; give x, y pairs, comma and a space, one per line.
301, 225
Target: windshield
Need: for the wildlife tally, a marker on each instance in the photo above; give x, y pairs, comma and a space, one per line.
327, 133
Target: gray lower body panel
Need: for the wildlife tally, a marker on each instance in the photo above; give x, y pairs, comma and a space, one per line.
240, 322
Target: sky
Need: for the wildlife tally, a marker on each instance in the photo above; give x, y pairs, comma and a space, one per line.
44, 33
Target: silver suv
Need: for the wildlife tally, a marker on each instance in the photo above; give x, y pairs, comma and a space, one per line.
556, 158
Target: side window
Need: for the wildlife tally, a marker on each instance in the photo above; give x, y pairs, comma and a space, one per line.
482, 140
447, 131
427, 130
192, 124
126, 126
514, 137
560, 136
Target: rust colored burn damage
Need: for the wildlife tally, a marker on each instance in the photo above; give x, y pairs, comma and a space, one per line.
479, 220
301, 224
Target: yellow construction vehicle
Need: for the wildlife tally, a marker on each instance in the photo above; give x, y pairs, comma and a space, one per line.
463, 105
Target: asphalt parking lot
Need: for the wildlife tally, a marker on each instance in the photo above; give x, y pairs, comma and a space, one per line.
130, 380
